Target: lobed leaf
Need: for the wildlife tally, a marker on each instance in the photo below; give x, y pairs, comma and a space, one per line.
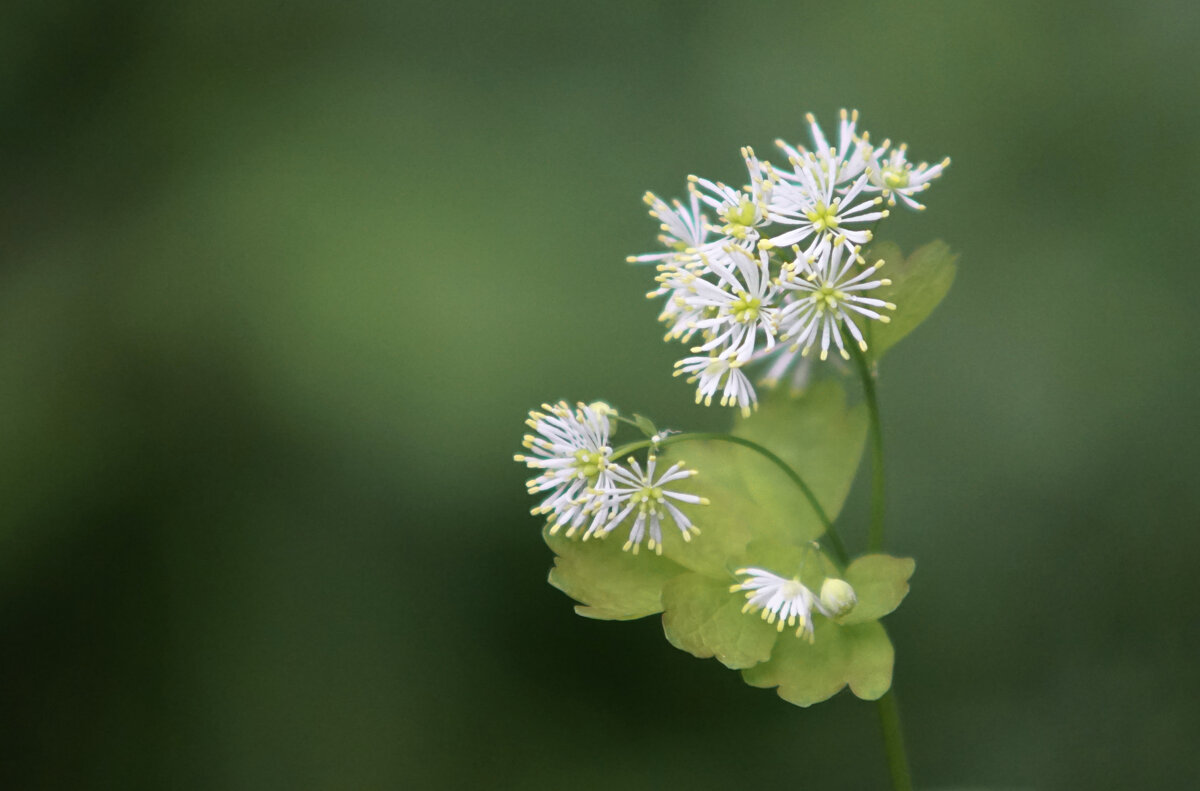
701, 616
817, 435
859, 656
880, 582
918, 284
749, 498
757, 517
820, 437
609, 584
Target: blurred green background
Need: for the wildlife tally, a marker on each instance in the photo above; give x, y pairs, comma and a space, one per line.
278, 282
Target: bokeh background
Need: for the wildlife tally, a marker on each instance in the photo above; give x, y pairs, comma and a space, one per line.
278, 282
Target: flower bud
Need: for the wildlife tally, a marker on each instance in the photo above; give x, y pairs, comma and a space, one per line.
601, 408
837, 597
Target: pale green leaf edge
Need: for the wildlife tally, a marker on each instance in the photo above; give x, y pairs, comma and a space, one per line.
915, 302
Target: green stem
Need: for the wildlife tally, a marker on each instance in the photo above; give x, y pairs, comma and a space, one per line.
889, 713
835, 541
878, 481
893, 743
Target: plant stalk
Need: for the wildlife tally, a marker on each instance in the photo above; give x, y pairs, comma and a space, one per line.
878, 480
889, 712
893, 742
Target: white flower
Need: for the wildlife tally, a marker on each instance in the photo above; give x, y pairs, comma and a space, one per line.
681, 311
730, 312
817, 198
637, 490
827, 295
893, 175
813, 205
571, 449
685, 228
685, 232
846, 161
715, 372
783, 601
742, 212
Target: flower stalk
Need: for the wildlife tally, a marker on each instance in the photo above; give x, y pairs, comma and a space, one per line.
878, 479
893, 742
889, 712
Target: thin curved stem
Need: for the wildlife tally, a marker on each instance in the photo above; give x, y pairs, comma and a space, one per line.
835, 541
878, 480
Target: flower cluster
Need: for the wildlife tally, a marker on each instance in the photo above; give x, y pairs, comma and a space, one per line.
772, 272
774, 269
584, 484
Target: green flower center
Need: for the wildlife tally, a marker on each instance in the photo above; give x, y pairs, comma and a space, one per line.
827, 297
895, 178
738, 218
647, 496
745, 308
824, 218
588, 464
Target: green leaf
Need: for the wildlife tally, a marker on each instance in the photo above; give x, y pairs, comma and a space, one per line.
758, 516
749, 498
818, 435
805, 673
609, 584
872, 657
918, 284
880, 582
705, 619
645, 424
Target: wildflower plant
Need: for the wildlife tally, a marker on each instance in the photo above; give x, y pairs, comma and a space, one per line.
780, 280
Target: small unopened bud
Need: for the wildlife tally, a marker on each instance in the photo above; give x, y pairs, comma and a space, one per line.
602, 409
837, 597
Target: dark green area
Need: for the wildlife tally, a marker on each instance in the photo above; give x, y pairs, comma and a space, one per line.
278, 282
